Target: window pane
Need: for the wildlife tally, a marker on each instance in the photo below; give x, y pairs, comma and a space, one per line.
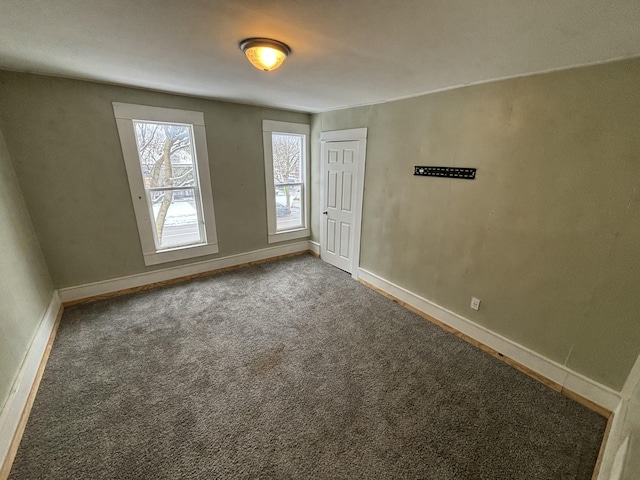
287, 158
288, 207
176, 218
287, 177
166, 154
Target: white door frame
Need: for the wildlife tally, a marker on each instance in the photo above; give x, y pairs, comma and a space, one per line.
356, 135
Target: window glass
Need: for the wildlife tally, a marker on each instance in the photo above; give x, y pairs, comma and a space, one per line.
175, 218
166, 157
287, 179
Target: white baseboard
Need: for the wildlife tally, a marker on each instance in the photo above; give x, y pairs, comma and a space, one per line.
560, 374
314, 247
19, 395
79, 292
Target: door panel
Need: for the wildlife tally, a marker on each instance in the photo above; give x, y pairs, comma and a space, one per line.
347, 189
332, 188
331, 236
345, 236
348, 157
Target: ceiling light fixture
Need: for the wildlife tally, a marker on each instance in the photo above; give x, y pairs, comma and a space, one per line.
264, 53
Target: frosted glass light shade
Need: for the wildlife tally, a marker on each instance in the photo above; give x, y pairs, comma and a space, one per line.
264, 53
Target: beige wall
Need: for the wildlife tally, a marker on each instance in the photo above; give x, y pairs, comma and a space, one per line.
548, 234
63, 140
25, 284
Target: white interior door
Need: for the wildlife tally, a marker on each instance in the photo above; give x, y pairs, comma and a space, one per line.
339, 188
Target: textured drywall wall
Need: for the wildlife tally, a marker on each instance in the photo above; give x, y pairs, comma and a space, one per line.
25, 284
65, 147
548, 234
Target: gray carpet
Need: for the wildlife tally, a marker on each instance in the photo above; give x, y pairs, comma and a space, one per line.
288, 369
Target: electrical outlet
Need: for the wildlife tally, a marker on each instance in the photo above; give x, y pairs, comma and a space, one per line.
475, 303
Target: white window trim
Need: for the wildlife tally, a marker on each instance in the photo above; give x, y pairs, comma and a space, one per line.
268, 128
125, 114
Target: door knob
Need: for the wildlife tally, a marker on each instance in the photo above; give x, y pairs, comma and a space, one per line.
325, 213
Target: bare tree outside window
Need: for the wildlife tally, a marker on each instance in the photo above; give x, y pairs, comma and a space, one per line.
287, 156
166, 160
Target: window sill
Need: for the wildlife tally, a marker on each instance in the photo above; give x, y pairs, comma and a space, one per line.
289, 235
180, 254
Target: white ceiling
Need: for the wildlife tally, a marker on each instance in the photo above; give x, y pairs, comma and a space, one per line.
345, 52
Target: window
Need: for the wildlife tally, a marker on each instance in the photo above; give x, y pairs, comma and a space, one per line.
165, 154
286, 175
